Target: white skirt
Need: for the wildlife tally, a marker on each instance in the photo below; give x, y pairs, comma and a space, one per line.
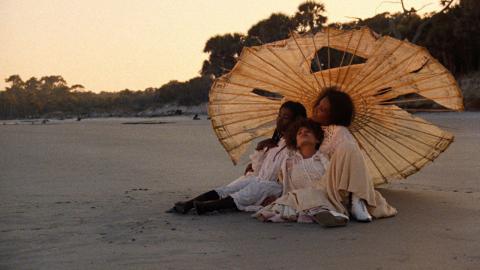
248, 191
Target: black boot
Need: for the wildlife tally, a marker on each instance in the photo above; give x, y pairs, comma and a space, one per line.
185, 206
204, 207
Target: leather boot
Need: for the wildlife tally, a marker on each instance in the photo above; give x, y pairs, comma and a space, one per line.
185, 206
209, 206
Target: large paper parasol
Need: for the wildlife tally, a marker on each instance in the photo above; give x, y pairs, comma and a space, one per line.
380, 73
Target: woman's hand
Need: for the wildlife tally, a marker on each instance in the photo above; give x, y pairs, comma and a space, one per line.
249, 168
269, 143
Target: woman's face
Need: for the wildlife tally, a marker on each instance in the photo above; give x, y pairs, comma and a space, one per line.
321, 112
284, 118
305, 137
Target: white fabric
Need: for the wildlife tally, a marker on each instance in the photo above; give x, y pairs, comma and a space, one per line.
333, 136
303, 189
256, 159
272, 162
235, 186
253, 189
255, 193
301, 173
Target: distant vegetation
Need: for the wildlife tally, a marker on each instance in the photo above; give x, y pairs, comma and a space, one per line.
51, 95
452, 35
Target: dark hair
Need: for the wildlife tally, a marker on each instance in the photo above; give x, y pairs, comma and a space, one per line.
297, 109
291, 135
342, 109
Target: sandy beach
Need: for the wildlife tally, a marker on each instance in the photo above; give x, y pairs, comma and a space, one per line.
93, 194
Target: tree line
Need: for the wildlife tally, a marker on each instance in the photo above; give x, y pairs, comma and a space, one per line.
452, 35
36, 98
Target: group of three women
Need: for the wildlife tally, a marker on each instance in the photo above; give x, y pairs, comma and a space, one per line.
311, 170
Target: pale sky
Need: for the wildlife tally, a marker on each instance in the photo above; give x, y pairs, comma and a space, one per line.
110, 45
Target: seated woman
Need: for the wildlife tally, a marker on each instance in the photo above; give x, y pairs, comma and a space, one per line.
348, 184
252, 188
304, 196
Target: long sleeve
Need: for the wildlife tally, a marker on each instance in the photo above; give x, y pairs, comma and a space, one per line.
256, 159
333, 137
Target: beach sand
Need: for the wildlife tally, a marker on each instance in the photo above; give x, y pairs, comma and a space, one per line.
93, 194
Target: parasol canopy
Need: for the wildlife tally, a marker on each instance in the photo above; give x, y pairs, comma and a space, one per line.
380, 73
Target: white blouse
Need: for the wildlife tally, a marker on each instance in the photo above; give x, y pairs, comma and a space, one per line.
333, 136
299, 172
266, 163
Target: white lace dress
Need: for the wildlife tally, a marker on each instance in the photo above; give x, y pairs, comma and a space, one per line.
303, 190
306, 192
348, 173
333, 136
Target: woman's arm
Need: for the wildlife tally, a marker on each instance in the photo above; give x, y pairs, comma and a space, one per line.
334, 136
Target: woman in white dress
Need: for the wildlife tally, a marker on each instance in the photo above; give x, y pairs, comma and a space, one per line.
345, 183
258, 183
349, 186
304, 196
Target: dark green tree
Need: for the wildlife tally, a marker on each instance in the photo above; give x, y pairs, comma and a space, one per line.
310, 17
277, 27
223, 51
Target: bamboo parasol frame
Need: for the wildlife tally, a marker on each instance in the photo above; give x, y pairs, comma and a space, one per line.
394, 142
